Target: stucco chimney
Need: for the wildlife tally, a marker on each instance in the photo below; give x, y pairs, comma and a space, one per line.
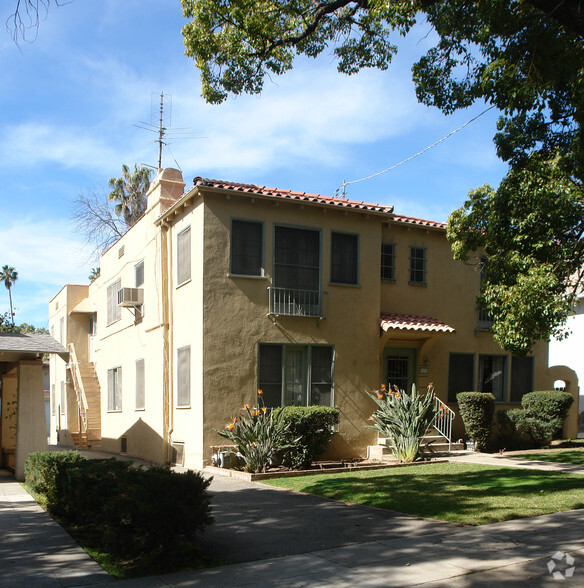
165, 189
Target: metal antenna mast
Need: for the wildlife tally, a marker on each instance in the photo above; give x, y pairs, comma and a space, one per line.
161, 128
161, 109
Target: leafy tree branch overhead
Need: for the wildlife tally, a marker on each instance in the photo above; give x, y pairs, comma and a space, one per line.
526, 57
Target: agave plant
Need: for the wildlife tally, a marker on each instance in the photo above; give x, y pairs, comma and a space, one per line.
403, 419
259, 435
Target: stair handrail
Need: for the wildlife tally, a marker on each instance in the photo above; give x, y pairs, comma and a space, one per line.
73, 366
443, 420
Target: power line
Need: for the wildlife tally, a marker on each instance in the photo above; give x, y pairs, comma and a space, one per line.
345, 184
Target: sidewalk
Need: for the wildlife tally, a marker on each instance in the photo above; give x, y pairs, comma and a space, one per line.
286, 539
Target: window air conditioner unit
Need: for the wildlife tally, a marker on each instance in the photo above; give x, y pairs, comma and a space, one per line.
129, 297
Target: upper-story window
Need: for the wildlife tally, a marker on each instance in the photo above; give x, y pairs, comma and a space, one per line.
418, 265
183, 256
344, 258
183, 385
114, 312
388, 262
247, 248
139, 273
297, 258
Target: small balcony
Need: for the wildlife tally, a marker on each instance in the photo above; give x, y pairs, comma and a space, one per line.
292, 302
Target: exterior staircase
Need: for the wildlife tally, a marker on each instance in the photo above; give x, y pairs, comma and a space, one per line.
438, 440
88, 394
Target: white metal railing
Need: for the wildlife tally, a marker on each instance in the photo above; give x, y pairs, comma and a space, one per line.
443, 420
295, 302
73, 366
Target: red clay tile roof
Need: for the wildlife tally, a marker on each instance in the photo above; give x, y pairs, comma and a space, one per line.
418, 221
413, 322
291, 195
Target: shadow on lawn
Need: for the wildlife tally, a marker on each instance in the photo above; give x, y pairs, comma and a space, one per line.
485, 495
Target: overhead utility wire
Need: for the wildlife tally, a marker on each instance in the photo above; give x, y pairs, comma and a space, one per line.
345, 184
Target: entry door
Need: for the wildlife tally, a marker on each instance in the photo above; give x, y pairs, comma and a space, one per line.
400, 368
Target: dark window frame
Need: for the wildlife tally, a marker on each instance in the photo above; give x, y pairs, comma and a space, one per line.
345, 258
388, 268
240, 238
312, 381
418, 265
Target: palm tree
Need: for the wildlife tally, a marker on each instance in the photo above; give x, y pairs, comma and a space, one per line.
130, 193
8, 275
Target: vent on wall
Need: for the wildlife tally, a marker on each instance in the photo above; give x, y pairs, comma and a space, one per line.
121, 251
123, 445
178, 454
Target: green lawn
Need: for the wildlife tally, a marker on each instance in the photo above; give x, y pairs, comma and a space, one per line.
456, 492
573, 456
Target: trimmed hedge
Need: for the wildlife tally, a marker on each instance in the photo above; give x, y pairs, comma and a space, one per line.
134, 513
477, 410
310, 429
40, 470
542, 415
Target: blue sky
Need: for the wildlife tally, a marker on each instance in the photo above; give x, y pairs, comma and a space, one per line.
72, 98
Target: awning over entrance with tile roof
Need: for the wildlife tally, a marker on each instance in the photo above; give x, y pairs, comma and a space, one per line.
413, 322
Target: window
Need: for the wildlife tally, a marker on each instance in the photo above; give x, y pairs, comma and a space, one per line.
418, 265
63, 398
139, 273
297, 258
521, 377
460, 374
114, 389
61, 330
53, 400
183, 256
344, 258
246, 248
388, 262
183, 386
298, 375
492, 375
114, 312
485, 319
140, 385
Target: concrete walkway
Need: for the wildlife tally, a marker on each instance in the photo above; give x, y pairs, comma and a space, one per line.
287, 539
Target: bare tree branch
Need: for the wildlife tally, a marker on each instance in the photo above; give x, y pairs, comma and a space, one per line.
96, 221
27, 16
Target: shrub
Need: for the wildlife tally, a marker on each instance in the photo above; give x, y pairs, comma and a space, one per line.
133, 511
403, 419
259, 435
509, 437
310, 429
40, 470
477, 410
542, 415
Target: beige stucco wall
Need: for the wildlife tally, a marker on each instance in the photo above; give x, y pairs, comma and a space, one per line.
9, 417
31, 429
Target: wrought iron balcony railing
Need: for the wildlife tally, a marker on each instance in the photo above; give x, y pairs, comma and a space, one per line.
293, 302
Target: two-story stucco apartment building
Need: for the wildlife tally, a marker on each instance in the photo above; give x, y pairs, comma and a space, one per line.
227, 288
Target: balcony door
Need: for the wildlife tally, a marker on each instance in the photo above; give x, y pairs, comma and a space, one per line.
297, 258
296, 284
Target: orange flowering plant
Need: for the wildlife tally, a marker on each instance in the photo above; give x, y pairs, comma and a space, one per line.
260, 434
403, 419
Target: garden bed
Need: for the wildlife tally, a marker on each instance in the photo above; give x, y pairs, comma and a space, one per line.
317, 468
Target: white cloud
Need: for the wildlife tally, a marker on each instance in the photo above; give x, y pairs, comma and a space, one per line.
46, 258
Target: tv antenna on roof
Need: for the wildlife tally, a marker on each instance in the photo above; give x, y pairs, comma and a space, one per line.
163, 113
